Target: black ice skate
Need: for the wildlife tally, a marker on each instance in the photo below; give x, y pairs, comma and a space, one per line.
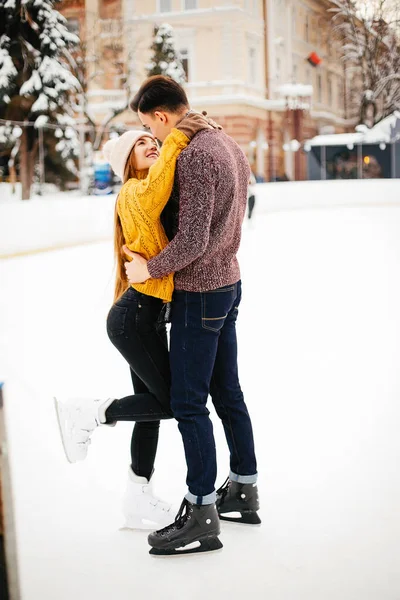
193, 523
234, 497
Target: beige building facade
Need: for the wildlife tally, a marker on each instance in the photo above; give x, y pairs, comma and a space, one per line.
246, 64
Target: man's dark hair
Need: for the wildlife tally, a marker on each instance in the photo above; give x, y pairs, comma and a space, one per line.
159, 93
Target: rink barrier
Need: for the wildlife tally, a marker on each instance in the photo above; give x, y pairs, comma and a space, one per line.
9, 579
308, 195
53, 223
53, 248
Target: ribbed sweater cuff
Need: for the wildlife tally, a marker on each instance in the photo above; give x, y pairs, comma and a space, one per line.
179, 137
155, 269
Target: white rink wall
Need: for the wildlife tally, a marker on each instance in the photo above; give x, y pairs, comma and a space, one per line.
58, 220
54, 220
292, 195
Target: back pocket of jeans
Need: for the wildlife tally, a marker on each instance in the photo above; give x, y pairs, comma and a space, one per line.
116, 320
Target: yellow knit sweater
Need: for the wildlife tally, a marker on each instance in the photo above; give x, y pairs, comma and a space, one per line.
140, 204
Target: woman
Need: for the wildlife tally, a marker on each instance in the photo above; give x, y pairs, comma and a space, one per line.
136, 322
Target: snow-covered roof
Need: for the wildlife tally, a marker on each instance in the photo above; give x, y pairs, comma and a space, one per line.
385, 131
336, 139
295, 90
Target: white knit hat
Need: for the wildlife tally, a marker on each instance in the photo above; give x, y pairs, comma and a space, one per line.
117, 150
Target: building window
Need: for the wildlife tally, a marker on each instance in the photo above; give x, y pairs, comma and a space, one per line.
252, 65
190, 4
164, 5
278, 68
73, 26
307, 29
319, 87
318, 36
328, 45
341, 98
330, 94
111, 28
295, 70
184, 56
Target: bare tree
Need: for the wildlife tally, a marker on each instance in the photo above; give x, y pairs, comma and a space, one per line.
368, 32
103, 61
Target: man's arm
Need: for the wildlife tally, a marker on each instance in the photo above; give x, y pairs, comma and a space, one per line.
196, 173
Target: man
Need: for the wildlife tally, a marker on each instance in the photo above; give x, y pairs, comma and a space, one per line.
251, 196
212, 177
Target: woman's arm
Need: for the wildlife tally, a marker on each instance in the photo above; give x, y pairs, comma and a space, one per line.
153, 192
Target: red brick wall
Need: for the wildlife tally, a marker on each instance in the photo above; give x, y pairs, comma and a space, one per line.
110, 9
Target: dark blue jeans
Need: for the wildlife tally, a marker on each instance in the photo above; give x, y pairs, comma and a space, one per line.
203, 358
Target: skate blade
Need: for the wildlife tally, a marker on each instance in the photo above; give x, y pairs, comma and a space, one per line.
138, 527
247, 518
207, 545
58, 408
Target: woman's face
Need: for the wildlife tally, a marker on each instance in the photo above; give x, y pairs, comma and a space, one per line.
146, 152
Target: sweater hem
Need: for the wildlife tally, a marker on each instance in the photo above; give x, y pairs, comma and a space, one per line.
152, 288
194, 284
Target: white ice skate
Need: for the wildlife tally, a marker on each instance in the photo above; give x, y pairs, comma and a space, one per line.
141, 509
77, 419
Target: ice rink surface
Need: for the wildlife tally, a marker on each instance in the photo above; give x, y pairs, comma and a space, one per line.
319, 336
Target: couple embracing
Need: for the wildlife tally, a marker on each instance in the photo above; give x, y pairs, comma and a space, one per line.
178, 222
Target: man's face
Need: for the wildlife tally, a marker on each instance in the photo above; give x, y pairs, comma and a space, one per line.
159, 123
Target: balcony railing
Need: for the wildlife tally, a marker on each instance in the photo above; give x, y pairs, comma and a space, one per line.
111, 28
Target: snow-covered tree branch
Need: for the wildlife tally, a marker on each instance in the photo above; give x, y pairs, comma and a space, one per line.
165, 60
36, 82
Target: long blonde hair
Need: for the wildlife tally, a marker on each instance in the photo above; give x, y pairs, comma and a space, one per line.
121, 284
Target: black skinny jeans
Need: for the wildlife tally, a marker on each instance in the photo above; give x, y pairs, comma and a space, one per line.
136, 328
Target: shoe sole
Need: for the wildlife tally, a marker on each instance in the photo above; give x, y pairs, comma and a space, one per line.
246, 518
58, 409
207, 544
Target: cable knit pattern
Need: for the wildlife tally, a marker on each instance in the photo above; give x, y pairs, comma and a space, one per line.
140, 203
213, 174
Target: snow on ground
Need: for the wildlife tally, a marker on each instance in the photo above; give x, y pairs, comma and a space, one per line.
319, 335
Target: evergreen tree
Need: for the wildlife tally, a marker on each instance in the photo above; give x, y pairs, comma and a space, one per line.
165, 60
36, 82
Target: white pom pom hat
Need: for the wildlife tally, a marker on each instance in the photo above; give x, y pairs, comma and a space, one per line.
117, 150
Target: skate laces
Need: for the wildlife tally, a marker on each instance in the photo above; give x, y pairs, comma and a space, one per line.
223, 490
180, 519
160, 504
82, 436
84, 442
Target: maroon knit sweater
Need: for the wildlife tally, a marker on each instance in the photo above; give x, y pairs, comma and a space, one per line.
213, 175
